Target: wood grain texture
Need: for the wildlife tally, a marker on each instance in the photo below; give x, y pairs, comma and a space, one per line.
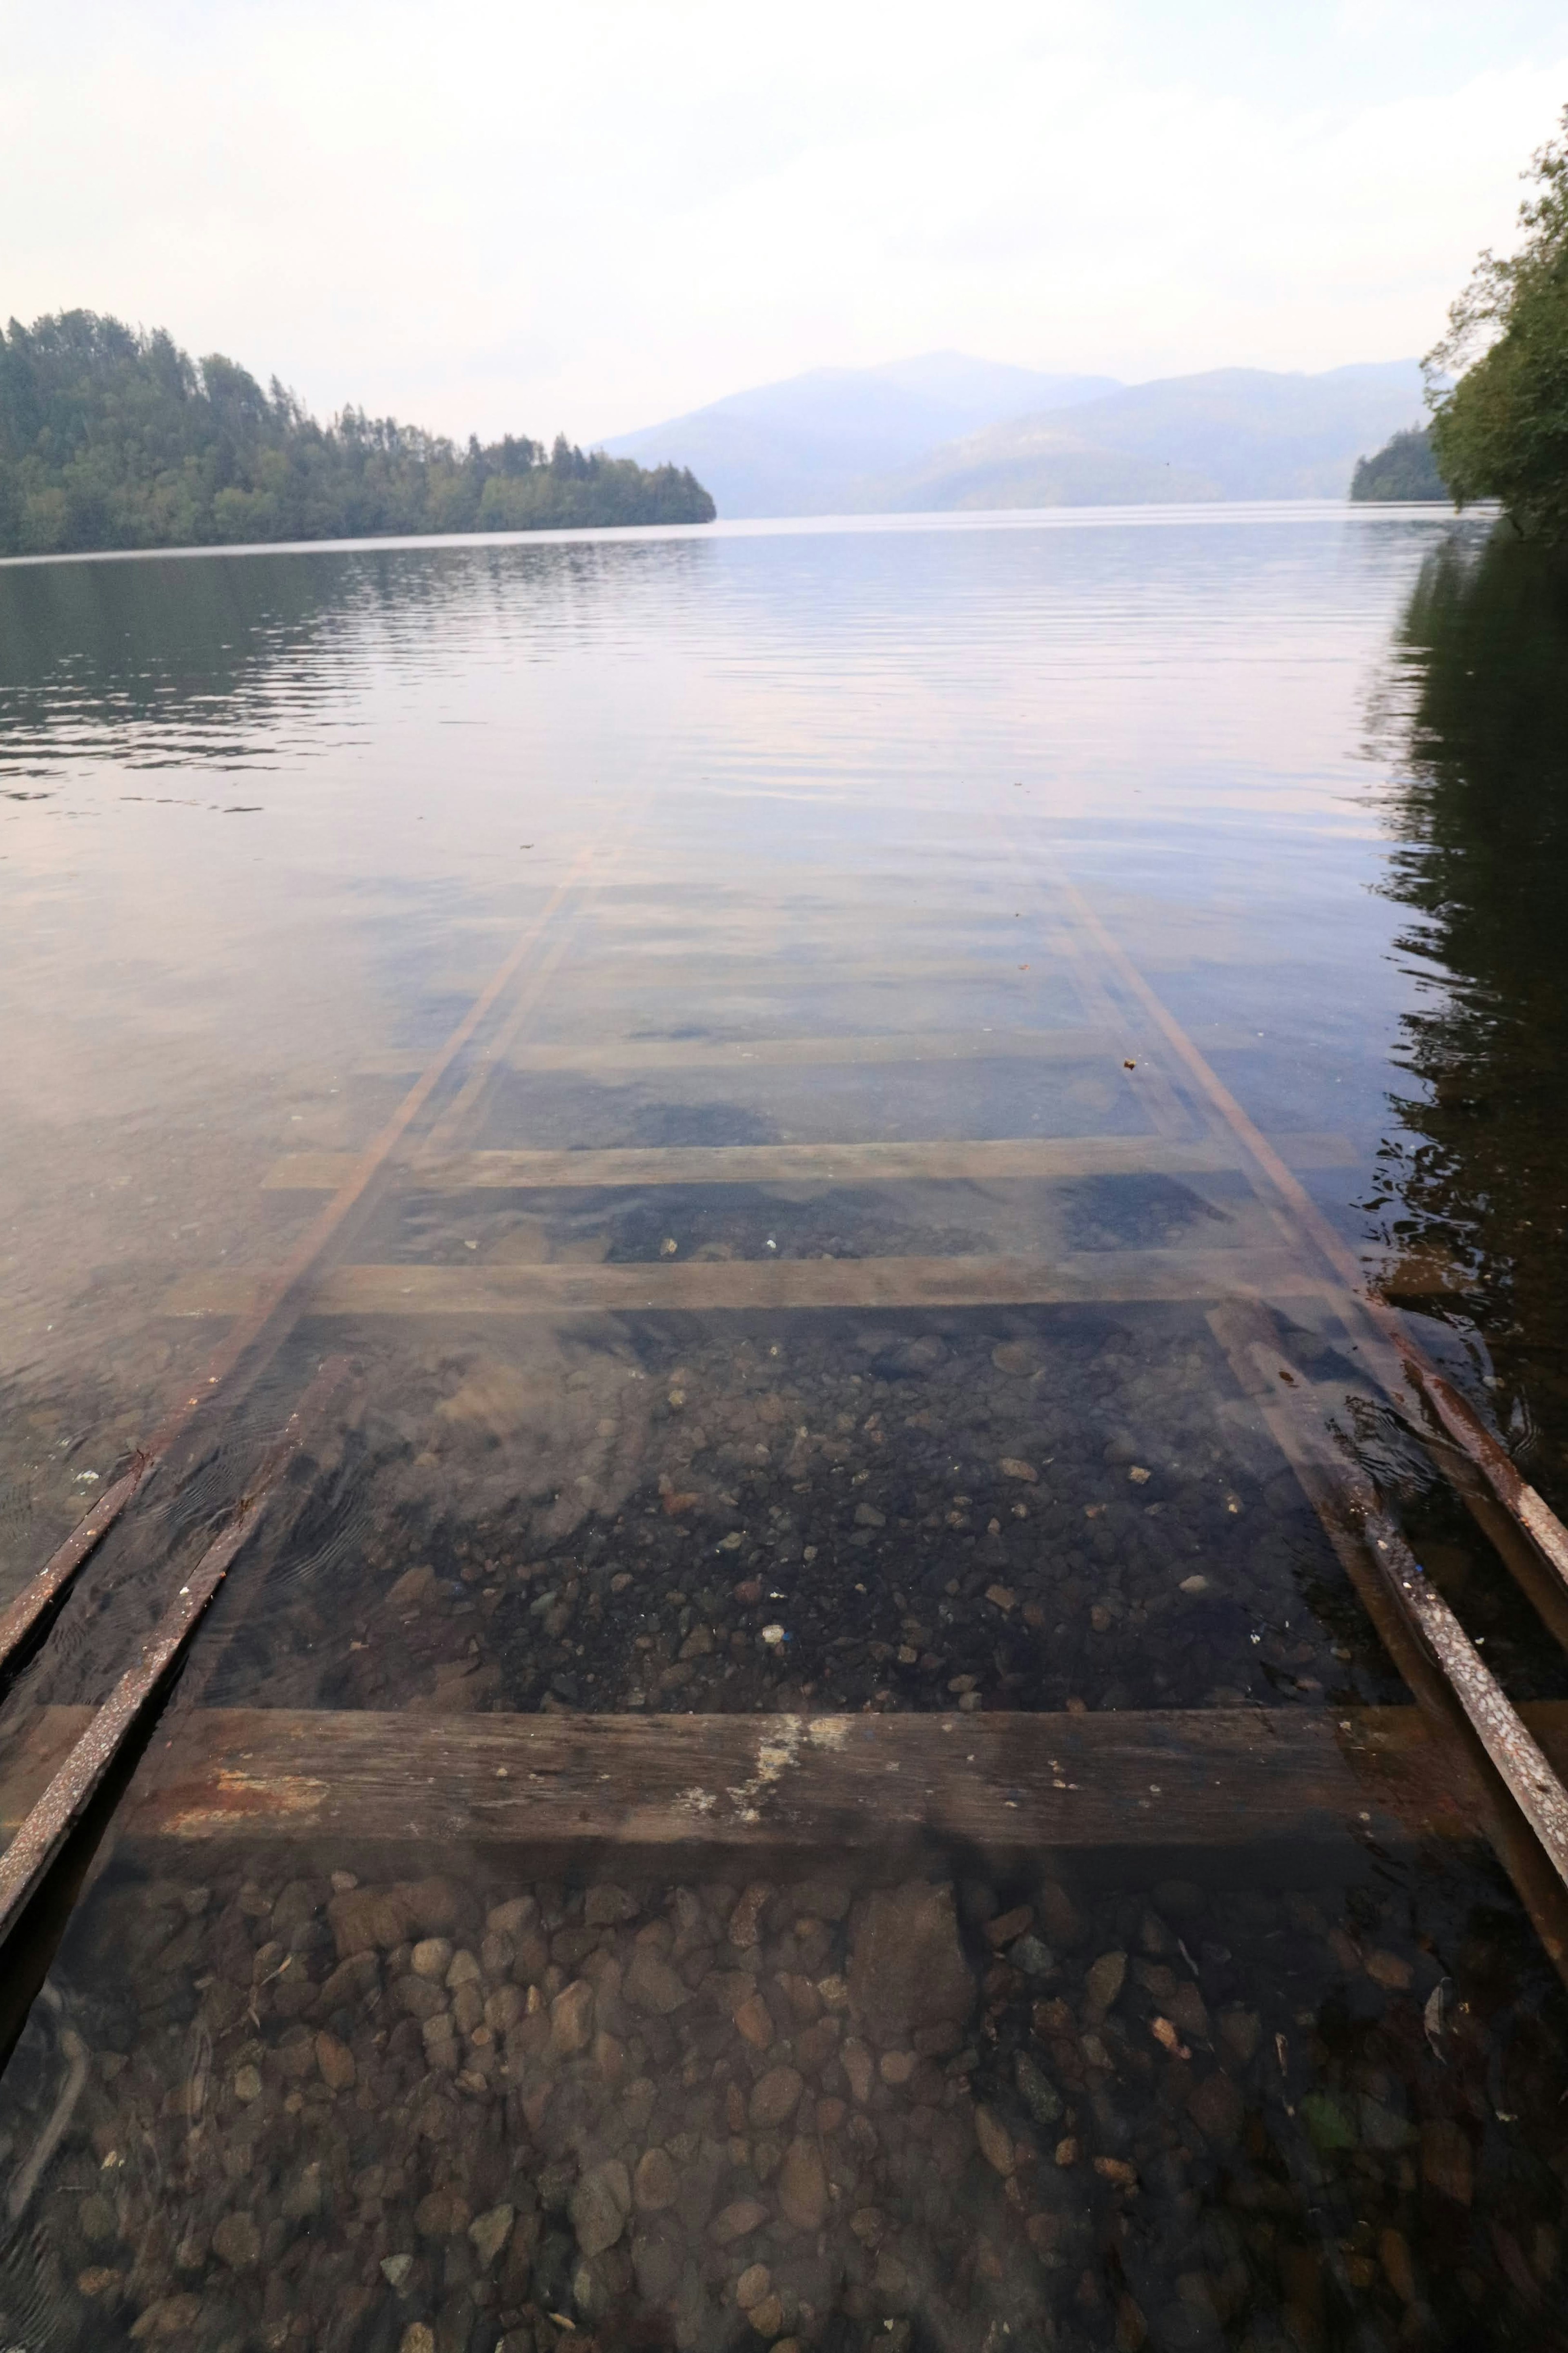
355, 1784
1089, 1277
599, 1054
992, 1161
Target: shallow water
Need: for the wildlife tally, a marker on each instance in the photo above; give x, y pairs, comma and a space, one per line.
789, 845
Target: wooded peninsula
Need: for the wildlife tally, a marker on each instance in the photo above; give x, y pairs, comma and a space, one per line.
111, 437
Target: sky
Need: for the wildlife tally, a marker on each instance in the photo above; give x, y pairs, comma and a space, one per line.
590, 217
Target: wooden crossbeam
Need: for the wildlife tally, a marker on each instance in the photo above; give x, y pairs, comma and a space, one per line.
1061, 1045
1042, 1159
354, 1783
1088, 1278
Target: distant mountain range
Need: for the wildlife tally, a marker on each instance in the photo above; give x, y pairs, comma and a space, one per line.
946, 432
817, 444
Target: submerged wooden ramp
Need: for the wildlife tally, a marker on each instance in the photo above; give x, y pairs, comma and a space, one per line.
664, 1791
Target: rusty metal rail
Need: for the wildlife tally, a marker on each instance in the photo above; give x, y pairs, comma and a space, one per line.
1528, 1814
260, 1329
61, 1806
1458, 1418
1524, 1803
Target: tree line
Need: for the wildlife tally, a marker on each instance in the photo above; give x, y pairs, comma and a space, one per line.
1498, 378
1497, 383
112, 438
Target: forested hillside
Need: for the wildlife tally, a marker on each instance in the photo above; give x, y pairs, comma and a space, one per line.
112, 438
1402, 470
1500, 425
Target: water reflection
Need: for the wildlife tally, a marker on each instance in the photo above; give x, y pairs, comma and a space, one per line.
1475, 1187
807, 801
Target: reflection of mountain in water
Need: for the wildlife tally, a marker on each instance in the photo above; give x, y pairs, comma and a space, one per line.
1481, 811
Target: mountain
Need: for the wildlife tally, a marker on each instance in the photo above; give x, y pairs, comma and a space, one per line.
1233, 433
809, 445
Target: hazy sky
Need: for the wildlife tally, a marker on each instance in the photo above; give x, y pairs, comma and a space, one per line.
595, 214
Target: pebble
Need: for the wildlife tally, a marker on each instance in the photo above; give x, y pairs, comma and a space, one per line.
907, 1967
572, 2019
656, 2183
775, 2097
237, 2241
600, 2205
1104, 1979
803, 2186
336, 2061
652, 1986
738, 2220
995, 2141
657, 2161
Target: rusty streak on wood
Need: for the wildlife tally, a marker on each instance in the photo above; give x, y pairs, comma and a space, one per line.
991, 1161
351, 1782
1091, 1278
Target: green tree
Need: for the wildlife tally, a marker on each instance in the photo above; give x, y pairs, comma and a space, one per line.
1497, 381
110, 438
1402, 470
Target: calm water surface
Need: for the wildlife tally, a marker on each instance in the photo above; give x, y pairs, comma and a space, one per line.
796, 841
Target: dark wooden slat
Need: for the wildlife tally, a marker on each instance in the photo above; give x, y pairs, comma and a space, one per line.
357, 1783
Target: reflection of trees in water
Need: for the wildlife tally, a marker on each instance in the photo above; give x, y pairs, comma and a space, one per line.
1481, 811
197, 658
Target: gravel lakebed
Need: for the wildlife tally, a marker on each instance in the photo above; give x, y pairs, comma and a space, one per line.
979, 1508
456, 2114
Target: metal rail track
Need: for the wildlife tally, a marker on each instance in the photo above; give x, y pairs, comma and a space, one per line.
1511, 1783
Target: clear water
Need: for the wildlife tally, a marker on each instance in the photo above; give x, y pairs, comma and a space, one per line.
781, 826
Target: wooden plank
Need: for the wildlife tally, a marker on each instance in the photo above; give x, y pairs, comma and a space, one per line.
1063, 1045
1090, 1278
354, 1782
992, 1161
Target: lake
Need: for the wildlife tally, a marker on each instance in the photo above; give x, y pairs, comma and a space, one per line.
732, 1079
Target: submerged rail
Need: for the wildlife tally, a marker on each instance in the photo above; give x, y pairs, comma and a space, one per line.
1004, 1785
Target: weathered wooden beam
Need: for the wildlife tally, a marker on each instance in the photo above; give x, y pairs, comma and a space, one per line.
1091, 1278
356, 1783
599, 1054
990, 1161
